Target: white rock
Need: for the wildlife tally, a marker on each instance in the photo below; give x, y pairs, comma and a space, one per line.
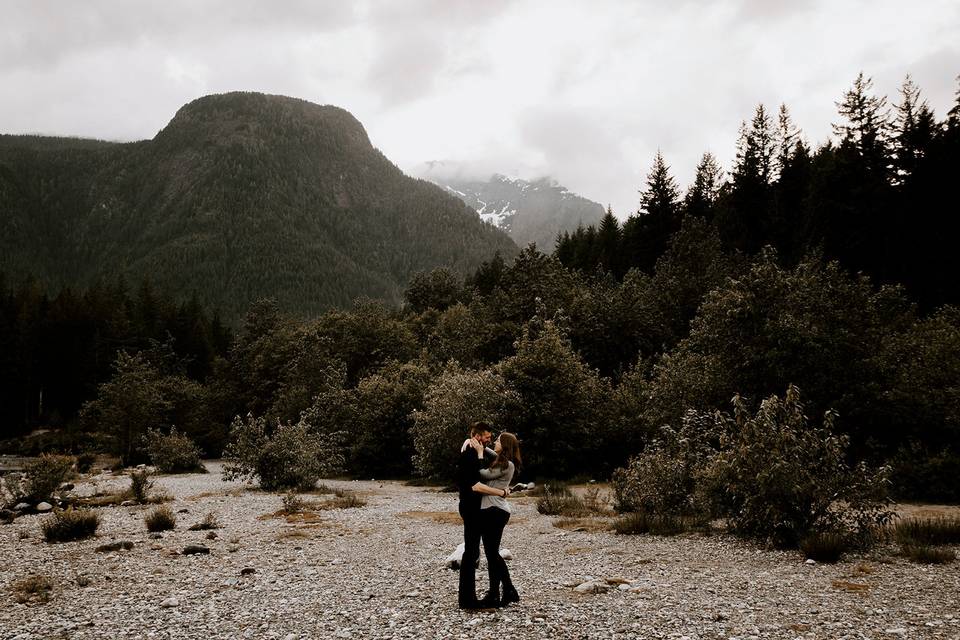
169, 603
44, 506
811, 561
21, 506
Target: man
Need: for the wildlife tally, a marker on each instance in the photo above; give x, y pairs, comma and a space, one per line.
471, 493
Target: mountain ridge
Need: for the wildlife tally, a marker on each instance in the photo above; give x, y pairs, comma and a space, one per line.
241, 195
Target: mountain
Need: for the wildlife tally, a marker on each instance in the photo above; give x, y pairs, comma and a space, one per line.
529, 211
240, 196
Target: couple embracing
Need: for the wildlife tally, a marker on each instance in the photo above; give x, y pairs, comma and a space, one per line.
485, 512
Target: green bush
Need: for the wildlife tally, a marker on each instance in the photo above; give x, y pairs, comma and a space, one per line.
452, 402
173, 452
780, 479
288, 457
160, 519
663, 481
45, 474
71, 524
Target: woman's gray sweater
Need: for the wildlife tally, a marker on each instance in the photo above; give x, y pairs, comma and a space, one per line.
498, 478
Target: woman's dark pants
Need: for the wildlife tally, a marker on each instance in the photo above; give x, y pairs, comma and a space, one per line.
492, 522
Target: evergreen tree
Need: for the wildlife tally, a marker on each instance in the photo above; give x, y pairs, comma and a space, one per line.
608, 243
914, 129
787, 137
659, 214
702, 194
866, 125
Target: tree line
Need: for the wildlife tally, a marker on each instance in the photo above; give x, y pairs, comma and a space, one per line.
878, 198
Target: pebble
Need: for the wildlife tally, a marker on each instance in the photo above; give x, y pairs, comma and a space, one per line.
43, 507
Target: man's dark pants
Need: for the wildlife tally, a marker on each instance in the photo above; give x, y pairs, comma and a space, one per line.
467, 594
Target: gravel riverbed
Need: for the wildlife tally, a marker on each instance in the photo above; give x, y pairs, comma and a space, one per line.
378, 572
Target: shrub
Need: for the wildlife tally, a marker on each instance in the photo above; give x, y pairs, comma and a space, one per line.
826, 546
71, 524
292, 503
160, 519
291, 457
45, 475
140, 485
452, 402
779, 479
927, 531
663, 481
925, 554
85, 462
172, 453
32, 589
558, 500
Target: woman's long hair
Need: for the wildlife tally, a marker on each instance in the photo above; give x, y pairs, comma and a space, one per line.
509, 452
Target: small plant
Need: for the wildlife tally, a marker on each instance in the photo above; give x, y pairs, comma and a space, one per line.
209, 522
638, 523
71, 524
160, 519
173, 453
46, 474
292, 503
32, 589
826, 546
345, 501
558, 500
927, 531
140, 485
924, 554
85, 462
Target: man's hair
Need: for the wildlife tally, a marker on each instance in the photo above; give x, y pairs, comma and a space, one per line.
480, 427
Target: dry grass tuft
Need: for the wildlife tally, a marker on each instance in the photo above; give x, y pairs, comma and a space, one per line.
850, 587
301, 517
572, 551
441, 517
32, 589
160, 519
341, 501
590, 525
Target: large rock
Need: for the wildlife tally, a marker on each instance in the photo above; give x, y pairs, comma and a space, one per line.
195, 549
114, 546
43, 507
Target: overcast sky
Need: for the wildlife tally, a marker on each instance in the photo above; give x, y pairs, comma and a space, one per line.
585, 92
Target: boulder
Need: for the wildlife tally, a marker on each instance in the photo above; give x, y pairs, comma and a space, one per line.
195, 549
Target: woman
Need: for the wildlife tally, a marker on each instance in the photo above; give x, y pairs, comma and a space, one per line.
494, 515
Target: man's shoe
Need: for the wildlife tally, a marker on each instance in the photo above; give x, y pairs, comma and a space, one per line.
489, 601
510, 595
469, 604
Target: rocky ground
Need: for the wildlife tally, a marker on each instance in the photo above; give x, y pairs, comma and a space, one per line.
378, 572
